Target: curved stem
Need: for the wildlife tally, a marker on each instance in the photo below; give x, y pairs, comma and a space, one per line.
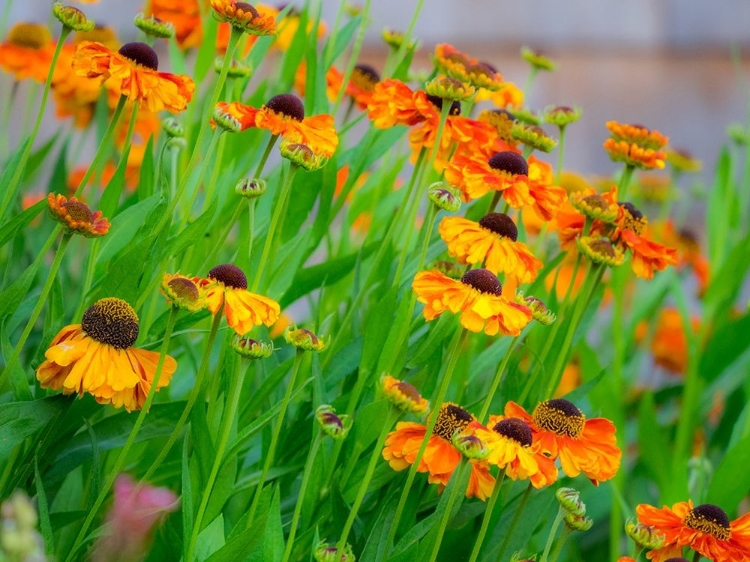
131, 438
233, 399
274, 438
552, 534
497, 379
458, 474
559, 546
487, 517
514, 522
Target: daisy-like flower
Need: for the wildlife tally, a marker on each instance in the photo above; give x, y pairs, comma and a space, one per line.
244, 17
636, 145
509, 96
227, 285
511, 448
133, 70
27, 51
533, 136
97, 357
683, 161
648, 256
637, 134
361, 84
304, 339
182, 292
184, 15
441, 457
76, 216
594, 206
502, 121
537, 59
562, 431
599, 249
704, 528
466, 69
669, 345
491, 242
403, 395
477, 296
285, 115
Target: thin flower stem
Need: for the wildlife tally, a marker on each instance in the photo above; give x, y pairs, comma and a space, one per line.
41, 301
88, 279
527, 150
390, 420
459, 475
218, 166
306, 472
266, 257
622, 188
250, 226
199, 381
486, 518
516, 519
365, 15
187, 210
552, 534
233, 399
430, 223
274, 438
173, 172
264, 158
559, 546
21, 167
336, 25
560, 149
497, 379
529, 82
406, 39
458, 341
131, 438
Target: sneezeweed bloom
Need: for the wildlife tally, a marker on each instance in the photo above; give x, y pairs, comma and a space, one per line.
134, 71
506, 172
647, 256
71, 17
683, 161
325, 552
76, 217
153, 26
250, 348
137, 509
394, 39
303, 339
561, 115
636, 145
449, 89
669, 345
532, 136
302, 155
578, 522
97, 357
600, 250
27, 52
441, 457
594, 206
226, 290
403, 395
244, 17
539, 310
493, 243
173, 127
477, 297
470, 446
360, 87
704, 528
527, 116
465, 69
563, 432
226, 121
570, 500
185, 16
637, 134
335, 426
538, 60
644, 536
250, 188
511, 448
182, 292
502, 121
444, 197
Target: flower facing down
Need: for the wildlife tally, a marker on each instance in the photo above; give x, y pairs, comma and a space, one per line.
477, 296
76, 216
182, 292
441, 457
562, 431
648, 256
403, 395
27, 52
97, 357
304, 340
244, 17
636, 145
226, 290
134, 70
704, 528
135, 512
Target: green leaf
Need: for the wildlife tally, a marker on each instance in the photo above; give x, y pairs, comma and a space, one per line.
193, 232
342, 39
10, 229
273, 545
652, 441
731, 481
19, 420
36, 159
11, 166
369, 422
125, 227
210, 539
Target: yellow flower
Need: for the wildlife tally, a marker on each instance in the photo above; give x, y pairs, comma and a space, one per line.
244, 17
76, 216
403, 395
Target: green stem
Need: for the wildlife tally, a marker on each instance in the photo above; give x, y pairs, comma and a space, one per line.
187, 210
274, 438
529, 83
552, 534
199, 380
622, 188
390, 420
250, 226
41, 301
459, 474
696, 556
131, 438
233, 399
173, 171
278, 211
365, 15
560, 149
264, 158
307, 471
218, 166
453, 354
430, 225
88, 279
406, 39
516, 519
527, 150
487, 517
559, 546
497, 379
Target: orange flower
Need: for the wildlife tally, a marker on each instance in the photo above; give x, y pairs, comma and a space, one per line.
76, 216
227, 285
570, 218
688, 250
493, 243
547, 198
637, 134
97, 356
634, 155
393, 104
669, 344
704, 528
27, 52
134, 71
285, 115
648, 256
440, 458
507, 97
460, 66
361, 85
244, 17
477, 296
511, 448
184, 15
224, 30
563, 432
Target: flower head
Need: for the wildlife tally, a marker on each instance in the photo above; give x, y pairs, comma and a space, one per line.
532, 136
462, 67
226, 121
578, 522
236, 69
539, 310
394, 39
173, 127
594, 206
562, 115
325, 552
570, 500
643, 535
154, 26
97, 357
244, 17
76, 216
449, 89
648, 256
637, 134
302, 155
250, 188
600, 250
635, 145
27, 51
502, 121
335, 426
71, 17
683, 161
403, 395
304, 339
250, 348
444, 196
182, 292
537, 59
184, 15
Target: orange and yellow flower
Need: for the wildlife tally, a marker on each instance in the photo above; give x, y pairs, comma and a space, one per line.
636, 145
468, 70
648, 256
27, 52
441, 457
477, 297
244, 17
184, 15
704, 528
562, 431
493, 243
669, 345
403, 395
76, 216
133, 70
226, 291
97, 357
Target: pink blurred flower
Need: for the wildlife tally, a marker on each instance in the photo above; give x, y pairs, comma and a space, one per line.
135, 512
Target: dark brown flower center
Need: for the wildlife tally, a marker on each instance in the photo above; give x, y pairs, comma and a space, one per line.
230, 275
634, 219
483, 281
564, 109
365, 77
603, 247
451, 418
111, 321
409, 391
78, 211
679, 559
458, 58
30, 35
516, 429
437, 101
184, 289
511, 162
287, 104
710, 519
501, 224
505, 112
596, 202
140, 53
632, 209
536, 304
247, 8
329, 418
560, 417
